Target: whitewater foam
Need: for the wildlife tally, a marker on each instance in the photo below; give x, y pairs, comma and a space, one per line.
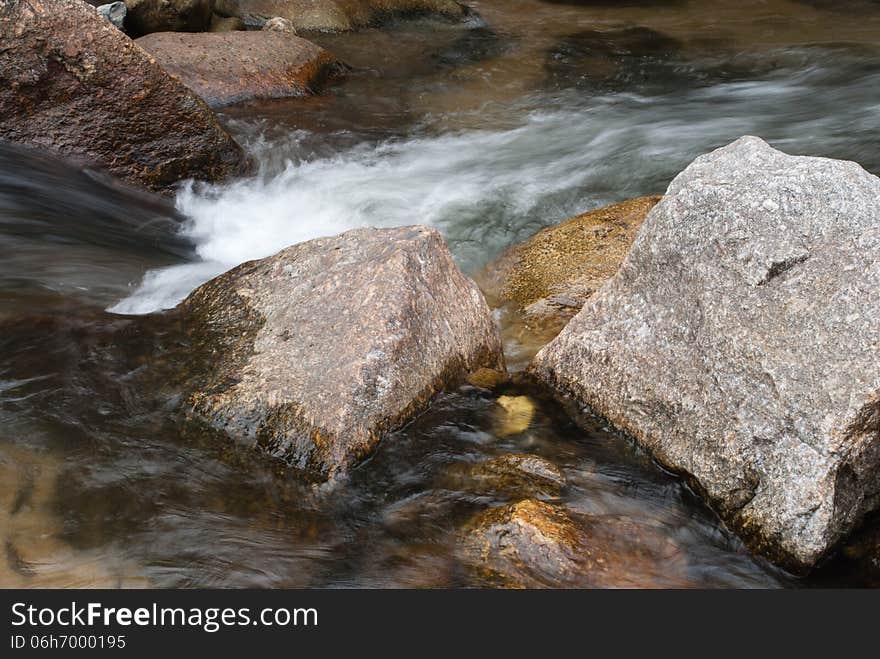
486, 189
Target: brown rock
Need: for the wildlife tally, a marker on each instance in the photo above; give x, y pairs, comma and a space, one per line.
240, 66
534, 544
331, 344
278, 24
337, 15
487, 378
225, 24
31, 532
514, 475
147, 16
73, 84
548, 278
515, 414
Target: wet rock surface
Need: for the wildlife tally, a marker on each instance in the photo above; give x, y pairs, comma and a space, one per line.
74, 85
738, 342
337, 15
114, 12
510, 475
535, 544
225, 24
331, 344
548, 278
278, 24
147, 16
240, 66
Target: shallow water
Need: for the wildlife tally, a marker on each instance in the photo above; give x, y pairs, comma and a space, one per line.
487, 131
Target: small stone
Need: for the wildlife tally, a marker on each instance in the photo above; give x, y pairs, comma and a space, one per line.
279, 24
508, 476
114, 12
237, 66
517, 413
220, 24
149, 16
337, 16
540, 284
487, 378
535, 544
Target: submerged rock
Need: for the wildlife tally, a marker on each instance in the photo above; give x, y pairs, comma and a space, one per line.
534, 544
513, 475
337, 15
515, 415
739, 342
240, 66
148, 16
74, 85
114, 12
613, 59
278, 24
548, 278
225, 24
32, 531
316, 353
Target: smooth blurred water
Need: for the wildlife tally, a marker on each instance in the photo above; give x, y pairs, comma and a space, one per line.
566, 152
486, 132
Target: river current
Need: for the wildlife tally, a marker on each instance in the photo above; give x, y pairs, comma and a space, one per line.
487, 131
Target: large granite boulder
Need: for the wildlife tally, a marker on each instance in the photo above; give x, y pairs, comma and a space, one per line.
148, 16
739, 342
337, 15
74, 85
535, 544
316, 353
237, 66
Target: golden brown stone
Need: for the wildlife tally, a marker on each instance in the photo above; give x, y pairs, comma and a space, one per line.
541, 283
535, 544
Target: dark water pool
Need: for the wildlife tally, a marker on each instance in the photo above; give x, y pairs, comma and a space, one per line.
488, 131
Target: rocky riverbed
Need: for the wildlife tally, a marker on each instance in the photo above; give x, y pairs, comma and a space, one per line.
413, 293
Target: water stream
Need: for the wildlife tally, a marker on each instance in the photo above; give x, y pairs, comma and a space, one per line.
488, 131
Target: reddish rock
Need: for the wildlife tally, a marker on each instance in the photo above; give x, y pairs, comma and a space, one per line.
316, 353
74, 85
534, 544
239, 66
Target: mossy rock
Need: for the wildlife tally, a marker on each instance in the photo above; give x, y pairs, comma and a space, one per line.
542, 283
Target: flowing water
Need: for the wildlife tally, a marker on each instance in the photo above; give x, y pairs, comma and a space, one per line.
488, 131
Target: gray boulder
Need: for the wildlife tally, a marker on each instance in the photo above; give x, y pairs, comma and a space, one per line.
739, 342
113, 12
315, 353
